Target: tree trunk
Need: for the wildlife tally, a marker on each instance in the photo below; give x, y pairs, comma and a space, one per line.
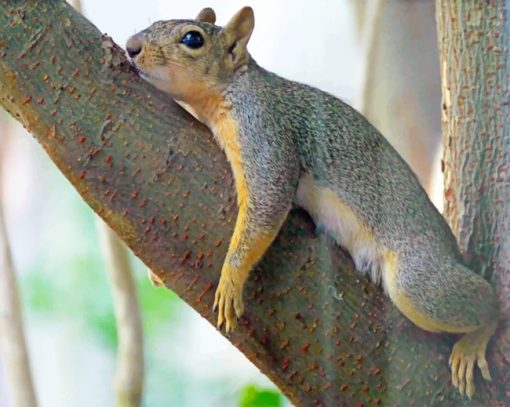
323, 333
474, 50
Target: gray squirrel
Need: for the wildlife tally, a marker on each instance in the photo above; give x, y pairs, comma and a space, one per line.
291, 144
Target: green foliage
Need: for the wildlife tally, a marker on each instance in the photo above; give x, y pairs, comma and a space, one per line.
252, 396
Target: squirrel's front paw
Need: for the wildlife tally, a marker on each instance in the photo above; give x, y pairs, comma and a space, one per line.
468, 350
229, 302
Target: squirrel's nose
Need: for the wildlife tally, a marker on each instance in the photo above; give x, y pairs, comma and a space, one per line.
134, 46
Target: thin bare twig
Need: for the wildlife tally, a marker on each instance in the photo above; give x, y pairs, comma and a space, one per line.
130, 360
12, 337
370, 31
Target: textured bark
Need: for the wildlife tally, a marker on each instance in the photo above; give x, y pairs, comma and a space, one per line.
401, 92
475, 67
323, 333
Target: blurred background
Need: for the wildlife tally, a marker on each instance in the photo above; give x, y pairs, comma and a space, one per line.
342, 47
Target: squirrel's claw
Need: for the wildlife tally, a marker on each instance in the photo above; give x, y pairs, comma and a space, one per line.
219, 305
484, 367
454, 365
216, 301
239, 307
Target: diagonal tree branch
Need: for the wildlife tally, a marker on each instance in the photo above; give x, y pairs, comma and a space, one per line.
320, 331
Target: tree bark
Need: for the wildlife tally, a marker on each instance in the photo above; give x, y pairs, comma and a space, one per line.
323, 333
474, 40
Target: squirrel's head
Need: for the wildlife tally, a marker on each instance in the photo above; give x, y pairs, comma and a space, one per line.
185, 57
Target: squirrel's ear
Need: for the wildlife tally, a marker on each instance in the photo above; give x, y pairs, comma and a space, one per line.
207, 15
238, 32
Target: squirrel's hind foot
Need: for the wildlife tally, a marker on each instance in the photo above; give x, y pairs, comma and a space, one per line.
155, 279
468, 350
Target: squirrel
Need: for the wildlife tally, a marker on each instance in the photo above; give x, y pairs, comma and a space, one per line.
291, 144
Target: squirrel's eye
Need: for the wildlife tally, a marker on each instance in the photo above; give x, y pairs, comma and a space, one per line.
193, 39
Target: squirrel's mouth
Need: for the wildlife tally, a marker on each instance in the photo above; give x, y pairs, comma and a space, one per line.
142, 73
138, 70
151, 77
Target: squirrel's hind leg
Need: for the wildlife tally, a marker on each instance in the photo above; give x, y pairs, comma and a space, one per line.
464, 303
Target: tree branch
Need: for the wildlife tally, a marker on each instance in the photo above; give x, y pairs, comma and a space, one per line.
320, 331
